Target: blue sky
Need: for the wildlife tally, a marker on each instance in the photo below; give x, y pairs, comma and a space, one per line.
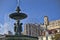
35, 9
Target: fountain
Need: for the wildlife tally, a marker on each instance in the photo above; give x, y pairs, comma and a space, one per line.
18, 15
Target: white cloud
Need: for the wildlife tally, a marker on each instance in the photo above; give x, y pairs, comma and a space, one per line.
5, 28
1, 28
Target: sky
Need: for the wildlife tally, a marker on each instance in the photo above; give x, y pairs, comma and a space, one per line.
35, 9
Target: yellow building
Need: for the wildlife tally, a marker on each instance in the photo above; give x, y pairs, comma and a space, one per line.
54, 24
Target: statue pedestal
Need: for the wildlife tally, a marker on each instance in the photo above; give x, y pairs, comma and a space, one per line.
21, 37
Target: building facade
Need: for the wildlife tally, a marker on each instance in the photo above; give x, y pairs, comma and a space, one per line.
53, 26
32, 30
39, 30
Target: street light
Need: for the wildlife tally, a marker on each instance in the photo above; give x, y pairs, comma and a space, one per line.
46, 33
46, 23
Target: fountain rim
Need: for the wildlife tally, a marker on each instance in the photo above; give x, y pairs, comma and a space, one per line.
17, 16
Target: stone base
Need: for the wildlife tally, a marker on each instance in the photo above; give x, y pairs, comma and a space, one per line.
21, 37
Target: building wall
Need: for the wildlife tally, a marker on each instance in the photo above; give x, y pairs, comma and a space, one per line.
35, 30
54, 24
2, 37
32, 29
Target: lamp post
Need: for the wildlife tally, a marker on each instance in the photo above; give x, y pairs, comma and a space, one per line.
41, 35
46, 33
46, 23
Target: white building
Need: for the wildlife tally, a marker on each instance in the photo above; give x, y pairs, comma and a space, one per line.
32, 29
